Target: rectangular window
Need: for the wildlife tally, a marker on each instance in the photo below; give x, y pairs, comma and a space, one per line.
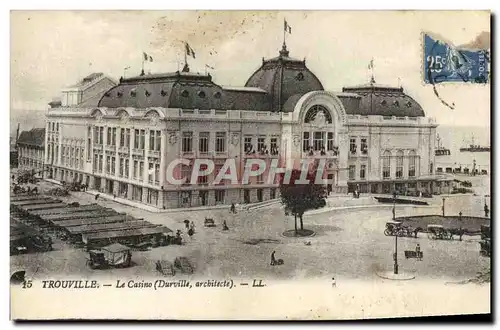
386, 167
362, 172
364, 146
157, 174
186, 173
274, 146
141, 170
247, 144
219, 196
143, 136
217, 170
329, 145
203, 179
305, 141
352, 146
136, 139
203, 142
319, 141
136, 169
152, 140
152, 197
158, 141
122, 166
261, 143
352, 172
96, 162
220, 142
108, 164
108, 135
412, 166
127, 138
89, 151
113, 137
399, 167
125, 173
113, 165
187, 141
150, 173
101, 158
122, 137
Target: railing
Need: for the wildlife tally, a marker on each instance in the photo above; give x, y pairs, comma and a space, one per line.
138, 152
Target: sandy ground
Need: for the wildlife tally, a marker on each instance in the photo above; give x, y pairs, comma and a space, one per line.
348, 244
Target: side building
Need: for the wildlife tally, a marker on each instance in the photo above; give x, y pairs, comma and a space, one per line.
373, 138
31, 151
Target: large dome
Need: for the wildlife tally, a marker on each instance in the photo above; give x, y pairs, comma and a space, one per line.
283, 77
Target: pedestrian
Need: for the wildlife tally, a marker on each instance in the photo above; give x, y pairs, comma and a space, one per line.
233, 208
486, 210
192, 226
273, 259
186, 223
417, 250
114, 196
334, 282
224, 226
97, 197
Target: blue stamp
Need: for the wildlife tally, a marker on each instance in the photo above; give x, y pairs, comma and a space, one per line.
443, 62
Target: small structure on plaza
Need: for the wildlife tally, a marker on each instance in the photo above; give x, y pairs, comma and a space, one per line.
114, 255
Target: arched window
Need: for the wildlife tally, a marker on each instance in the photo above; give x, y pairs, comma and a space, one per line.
318, 113
386, 164
412, 167
399, 164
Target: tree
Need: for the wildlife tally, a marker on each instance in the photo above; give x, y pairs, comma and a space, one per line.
298, 198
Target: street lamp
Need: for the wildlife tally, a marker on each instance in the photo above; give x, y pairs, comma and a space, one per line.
396, 268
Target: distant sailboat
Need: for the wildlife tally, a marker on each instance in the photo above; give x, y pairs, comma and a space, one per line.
440, 150
475, 147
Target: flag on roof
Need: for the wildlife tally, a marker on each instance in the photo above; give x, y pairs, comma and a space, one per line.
288, 28
190, 51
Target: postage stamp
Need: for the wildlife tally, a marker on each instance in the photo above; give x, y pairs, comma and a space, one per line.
184, 165
444, 62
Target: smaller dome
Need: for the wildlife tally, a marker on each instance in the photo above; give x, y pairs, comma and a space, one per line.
379, 100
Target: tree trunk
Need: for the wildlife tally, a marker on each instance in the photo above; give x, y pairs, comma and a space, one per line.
301, 222
295, 223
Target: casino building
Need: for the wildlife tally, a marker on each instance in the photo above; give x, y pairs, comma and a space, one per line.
374, 138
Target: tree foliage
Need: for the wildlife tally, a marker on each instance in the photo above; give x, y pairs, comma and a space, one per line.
299, 198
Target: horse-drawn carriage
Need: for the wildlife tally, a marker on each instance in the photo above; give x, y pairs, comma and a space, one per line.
396, 228
438, 232
209, 222
485, 232
485, 247
184, 265
165, 268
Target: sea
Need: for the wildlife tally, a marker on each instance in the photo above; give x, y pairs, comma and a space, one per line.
455, 137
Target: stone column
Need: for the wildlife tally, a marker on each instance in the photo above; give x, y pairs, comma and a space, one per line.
146, 158
129, 191
92, 182
105, 142
163, 167
117, 155
342, 160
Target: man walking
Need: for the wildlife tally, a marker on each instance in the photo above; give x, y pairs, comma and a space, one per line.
273, 259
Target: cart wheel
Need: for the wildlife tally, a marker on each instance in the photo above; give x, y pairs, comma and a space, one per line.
387, 232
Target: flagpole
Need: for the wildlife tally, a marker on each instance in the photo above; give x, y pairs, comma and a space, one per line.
284, 32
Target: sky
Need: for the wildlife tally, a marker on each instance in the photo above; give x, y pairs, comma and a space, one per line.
54, 49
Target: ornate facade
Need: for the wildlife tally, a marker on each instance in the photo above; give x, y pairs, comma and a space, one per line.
373, 138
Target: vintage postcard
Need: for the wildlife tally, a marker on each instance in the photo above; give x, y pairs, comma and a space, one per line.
249, 165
